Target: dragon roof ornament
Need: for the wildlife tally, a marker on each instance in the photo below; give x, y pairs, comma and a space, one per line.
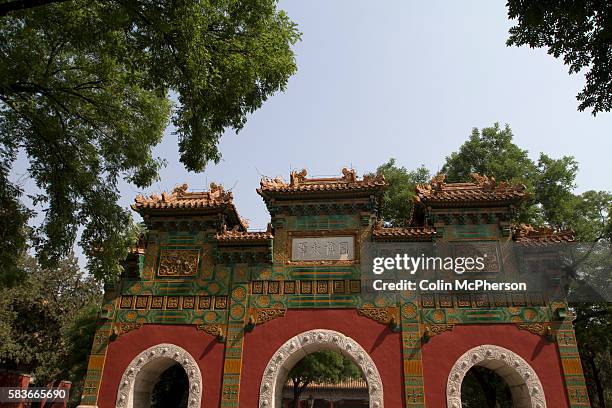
180, 199
535, 236
299, 181
482, 189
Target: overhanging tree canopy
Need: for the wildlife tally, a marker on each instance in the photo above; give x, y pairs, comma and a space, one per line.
580, 32
85, 93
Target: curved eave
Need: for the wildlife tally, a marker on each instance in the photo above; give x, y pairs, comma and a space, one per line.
544, 242
403, 235
244, 243
462, 203
170, 211
402, 239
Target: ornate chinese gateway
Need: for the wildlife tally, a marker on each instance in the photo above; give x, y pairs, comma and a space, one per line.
237, 309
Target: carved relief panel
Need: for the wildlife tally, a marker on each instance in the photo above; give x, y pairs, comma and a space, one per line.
178, 262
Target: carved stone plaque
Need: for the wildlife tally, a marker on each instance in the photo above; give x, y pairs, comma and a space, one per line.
323, 248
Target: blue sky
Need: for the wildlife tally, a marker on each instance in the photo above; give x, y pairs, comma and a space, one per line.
403, 79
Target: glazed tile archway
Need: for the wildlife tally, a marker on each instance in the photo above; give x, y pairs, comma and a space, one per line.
161, 356
308, 342
525, 386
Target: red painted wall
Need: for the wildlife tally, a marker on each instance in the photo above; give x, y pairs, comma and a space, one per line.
203, 347
383, 346
9, 379
440, 354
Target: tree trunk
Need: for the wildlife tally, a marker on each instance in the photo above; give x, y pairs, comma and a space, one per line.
296, 395
297, 392
598, 385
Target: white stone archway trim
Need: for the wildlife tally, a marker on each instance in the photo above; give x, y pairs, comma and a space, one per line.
525, 386
161, 357
300, 346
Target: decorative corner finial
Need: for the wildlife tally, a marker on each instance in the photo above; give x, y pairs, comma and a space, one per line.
483, 180
297, 177
349, 175
437, 182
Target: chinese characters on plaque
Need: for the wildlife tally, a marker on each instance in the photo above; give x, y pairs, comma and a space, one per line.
323, 249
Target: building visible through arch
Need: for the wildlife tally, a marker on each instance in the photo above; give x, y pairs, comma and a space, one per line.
296, 348
232, 302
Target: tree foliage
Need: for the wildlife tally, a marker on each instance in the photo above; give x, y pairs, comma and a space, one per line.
593, 325
47, 322
580, 32
85, 93
397, 203
14, 233
323, 366
491, 151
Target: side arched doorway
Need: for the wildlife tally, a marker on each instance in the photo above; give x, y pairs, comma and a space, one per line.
524, 384
296, 348
144, 370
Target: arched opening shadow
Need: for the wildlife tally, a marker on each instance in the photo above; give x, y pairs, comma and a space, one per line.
525, 386
296, 348
144, 371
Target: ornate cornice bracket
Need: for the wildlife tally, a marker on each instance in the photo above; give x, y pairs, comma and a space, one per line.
384, 315
122, 328
214, 330
261, 316
434, 329
541, 329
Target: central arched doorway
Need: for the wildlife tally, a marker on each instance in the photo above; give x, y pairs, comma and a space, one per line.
525, 386
171, 389
484, 388
144, 371
298, 347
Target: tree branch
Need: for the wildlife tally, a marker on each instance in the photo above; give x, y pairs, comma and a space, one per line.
15, 5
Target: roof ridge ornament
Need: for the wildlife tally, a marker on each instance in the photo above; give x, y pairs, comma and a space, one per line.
483, 180
527, 234
267, 182
297, 178
373, 178
349, 175
217, 191
438, 181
